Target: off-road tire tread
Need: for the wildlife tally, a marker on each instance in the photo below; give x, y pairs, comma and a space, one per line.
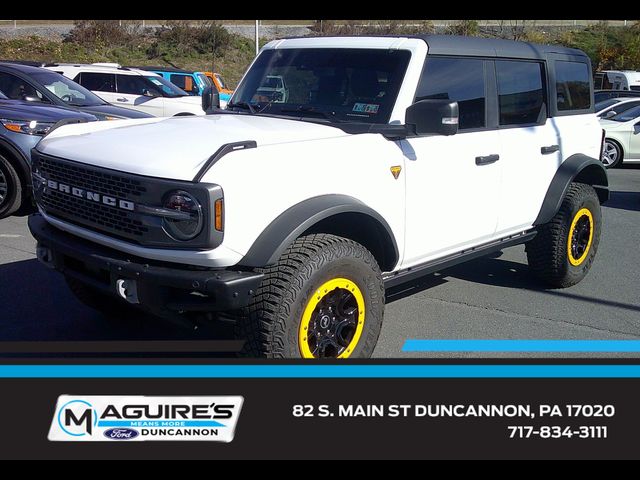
546, 253
262, 324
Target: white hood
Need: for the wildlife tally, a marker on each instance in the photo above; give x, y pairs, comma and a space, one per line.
174, 147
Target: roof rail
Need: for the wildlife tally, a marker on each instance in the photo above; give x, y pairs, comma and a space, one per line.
107, 64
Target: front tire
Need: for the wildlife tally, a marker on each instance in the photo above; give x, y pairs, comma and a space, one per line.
611, 153
562, 252
323, 299
10, 189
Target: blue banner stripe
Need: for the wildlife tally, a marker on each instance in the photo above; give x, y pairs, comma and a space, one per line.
320, 371
414, 345
157, 423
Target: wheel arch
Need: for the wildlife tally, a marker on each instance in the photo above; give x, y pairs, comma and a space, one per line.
335, 214
19, 163
577, 168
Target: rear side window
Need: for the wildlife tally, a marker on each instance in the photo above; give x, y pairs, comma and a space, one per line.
132, 84
521, 97
99, 82
460, 80
572, 86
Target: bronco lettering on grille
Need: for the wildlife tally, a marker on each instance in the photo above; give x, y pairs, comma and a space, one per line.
91, 196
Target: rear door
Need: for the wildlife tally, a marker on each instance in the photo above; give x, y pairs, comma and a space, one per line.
530, 143
134, 92
102, 84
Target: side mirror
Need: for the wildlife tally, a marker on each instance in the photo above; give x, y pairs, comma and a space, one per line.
636, 129
210, 100
432, 117
609, 114
31, 98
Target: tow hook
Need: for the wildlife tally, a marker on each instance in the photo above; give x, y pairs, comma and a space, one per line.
128, 290
45, 256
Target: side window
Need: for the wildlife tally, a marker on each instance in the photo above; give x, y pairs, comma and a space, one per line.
572, 85
98, 82
179, 81
521, 96
16, 88
132, 84
460, 80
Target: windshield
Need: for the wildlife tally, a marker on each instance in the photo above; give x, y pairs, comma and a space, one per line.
221, 81
630, 114
206, 81
606, 104
336, 84
67, 90
167, 88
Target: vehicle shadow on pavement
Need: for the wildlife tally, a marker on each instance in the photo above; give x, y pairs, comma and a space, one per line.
504, 273
624, 201
37, 305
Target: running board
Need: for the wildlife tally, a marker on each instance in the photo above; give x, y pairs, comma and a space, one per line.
411, 273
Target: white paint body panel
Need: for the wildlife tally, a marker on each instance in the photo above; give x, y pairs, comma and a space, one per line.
625, 134
441, 203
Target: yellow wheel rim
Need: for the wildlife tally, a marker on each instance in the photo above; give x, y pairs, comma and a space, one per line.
580, 237
332, 321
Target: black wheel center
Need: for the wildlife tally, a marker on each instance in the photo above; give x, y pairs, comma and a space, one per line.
333, 324
580, 237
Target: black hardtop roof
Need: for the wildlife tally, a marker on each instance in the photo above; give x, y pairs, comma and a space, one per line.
162, 69
482, 47
492, 47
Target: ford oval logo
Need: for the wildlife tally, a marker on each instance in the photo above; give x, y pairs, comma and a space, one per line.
121, 433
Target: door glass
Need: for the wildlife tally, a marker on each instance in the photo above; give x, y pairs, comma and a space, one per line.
16, 88
521, 98
572, 85
460, 80
98, 82
132, 85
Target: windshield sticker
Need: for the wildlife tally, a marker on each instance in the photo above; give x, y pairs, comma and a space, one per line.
156, 81
366, 108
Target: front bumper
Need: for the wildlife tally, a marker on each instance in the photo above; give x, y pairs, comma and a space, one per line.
161, 287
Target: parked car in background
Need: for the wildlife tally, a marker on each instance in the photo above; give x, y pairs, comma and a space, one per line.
601, 95
223, 89
617, 80
273, 89
22, 125
34, 84
622, 138
614, 106
132, 88
191, 82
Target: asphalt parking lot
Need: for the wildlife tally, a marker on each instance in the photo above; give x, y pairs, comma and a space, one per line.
490, 298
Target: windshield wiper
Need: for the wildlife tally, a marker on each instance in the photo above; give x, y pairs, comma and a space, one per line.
245, 105
302, 109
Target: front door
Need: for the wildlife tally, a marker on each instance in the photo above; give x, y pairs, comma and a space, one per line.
133, 91
452, 182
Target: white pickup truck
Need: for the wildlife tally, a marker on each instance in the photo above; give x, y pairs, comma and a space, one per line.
389, 158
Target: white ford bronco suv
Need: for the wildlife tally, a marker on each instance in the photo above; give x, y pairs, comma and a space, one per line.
390, 158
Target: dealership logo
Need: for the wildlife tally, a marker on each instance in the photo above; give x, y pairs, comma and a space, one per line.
94, 418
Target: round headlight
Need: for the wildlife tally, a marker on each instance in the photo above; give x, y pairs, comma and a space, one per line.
187, 223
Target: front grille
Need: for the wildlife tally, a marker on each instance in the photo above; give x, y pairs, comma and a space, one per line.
88, 213
117, 204
96, 181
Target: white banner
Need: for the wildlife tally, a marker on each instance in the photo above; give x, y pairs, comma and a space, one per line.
104, 418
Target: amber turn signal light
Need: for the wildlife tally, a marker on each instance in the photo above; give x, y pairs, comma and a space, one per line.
219, 215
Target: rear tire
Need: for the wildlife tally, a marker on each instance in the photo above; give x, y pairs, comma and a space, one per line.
562, 252
10, 189
324, 298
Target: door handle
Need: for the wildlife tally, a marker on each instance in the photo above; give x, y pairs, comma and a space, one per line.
550, 149
486, 160
122, 99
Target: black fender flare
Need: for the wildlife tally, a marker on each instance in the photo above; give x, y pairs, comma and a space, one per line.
300, 218
577, 168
